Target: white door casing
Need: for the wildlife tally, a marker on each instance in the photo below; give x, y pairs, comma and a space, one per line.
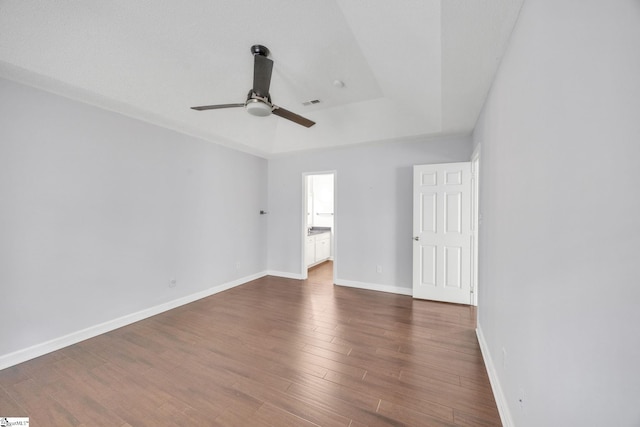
442, 232
308, 255
475, 221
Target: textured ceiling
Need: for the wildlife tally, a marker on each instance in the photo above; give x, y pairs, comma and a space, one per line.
410, 68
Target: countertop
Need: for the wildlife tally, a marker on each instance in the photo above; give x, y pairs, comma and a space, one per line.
318, 230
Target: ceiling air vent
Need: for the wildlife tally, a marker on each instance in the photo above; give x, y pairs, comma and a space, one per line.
312, 102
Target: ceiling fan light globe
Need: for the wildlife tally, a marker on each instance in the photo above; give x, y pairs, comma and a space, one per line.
258, 108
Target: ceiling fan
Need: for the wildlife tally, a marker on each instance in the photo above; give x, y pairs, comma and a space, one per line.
258, 101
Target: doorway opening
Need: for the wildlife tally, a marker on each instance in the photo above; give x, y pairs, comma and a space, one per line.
319, 224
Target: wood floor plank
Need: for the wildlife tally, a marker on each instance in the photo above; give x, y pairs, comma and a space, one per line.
9, 406
84, 407
272, 352
409, 416
310, 412
462, 418
14, 375
41, 408
273, 416
361, 408
375, 386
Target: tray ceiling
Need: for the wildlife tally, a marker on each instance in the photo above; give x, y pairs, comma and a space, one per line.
410, 68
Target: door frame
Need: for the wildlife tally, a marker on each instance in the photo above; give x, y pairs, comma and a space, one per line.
303, 217
475, 221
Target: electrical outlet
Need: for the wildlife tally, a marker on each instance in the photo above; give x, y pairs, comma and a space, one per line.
521, 398
378, 269
172, 283
237, 265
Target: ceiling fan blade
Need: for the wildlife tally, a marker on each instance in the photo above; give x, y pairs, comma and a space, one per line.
262, 67
286, 114
216, 107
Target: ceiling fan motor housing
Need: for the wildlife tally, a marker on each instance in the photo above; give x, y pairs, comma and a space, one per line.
257, 107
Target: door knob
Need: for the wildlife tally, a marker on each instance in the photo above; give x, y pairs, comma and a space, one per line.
416, 238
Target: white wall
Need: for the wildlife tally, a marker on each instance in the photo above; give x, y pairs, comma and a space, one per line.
560, 198
373, 211
98, 212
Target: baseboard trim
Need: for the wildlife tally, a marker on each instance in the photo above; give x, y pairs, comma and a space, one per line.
285, 274
41, 349
501, 400
374, 287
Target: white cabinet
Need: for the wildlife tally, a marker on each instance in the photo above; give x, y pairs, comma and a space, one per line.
317, 248
323, 246
310, 250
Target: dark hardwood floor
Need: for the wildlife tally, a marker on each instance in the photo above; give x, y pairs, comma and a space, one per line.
272, 352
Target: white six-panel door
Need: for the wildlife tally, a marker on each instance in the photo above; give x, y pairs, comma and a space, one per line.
442, 232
